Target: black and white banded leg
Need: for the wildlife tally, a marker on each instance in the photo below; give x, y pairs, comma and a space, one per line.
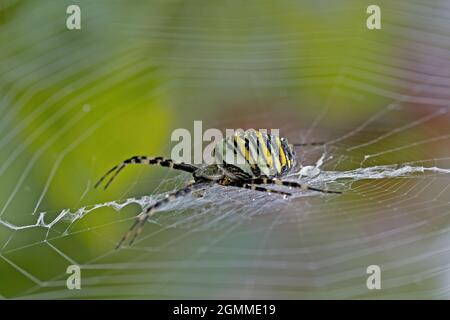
259, 188
137, 226
292, 184
148, 161
309, 144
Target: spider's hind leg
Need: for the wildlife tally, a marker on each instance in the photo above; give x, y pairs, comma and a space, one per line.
136, 228
255, 187
292, 184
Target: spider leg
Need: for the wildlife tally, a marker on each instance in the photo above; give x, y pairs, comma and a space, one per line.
144, 160
198, 193
258, 188
292, 184
136, 228
309, 144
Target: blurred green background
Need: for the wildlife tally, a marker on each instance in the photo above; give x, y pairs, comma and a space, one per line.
74, 103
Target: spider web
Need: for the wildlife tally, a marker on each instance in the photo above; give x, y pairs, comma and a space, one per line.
383, 112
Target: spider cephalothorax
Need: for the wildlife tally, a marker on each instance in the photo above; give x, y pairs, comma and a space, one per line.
247, 160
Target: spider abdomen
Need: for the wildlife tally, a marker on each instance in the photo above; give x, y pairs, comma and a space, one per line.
255, 153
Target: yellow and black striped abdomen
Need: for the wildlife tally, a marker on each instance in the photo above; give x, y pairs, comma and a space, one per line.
256, 153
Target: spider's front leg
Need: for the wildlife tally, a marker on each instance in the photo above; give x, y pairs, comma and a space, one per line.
163, 162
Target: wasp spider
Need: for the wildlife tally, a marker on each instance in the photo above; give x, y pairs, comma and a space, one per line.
258, 159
